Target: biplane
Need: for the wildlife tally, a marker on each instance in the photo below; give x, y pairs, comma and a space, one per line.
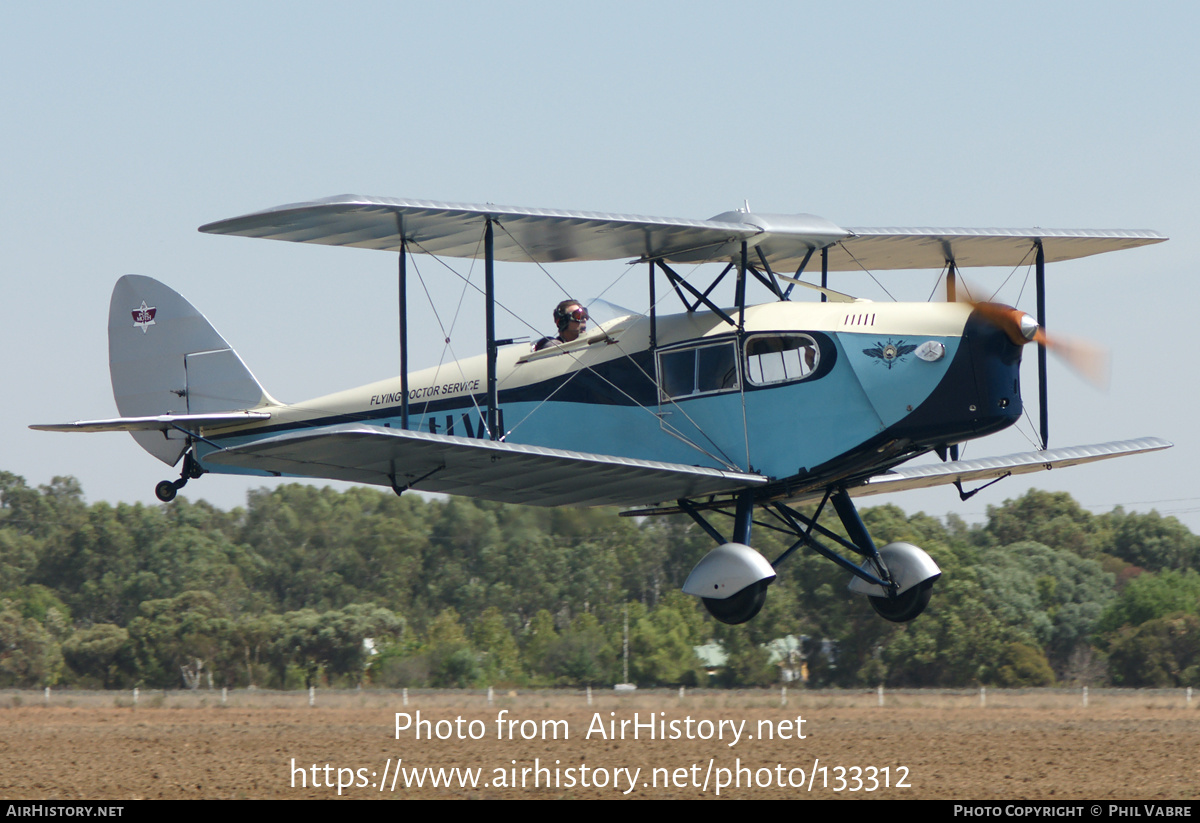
739, 411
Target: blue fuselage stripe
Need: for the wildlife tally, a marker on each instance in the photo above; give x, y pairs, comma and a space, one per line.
787, 427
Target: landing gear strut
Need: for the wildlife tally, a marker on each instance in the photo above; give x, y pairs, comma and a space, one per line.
732, 579
167, 489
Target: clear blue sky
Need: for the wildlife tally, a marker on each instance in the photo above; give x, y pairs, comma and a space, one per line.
127, 125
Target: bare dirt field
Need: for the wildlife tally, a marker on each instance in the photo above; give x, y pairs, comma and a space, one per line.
1018, 746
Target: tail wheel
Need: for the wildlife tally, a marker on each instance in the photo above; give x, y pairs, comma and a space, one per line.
165, 491
743, 606
903, 607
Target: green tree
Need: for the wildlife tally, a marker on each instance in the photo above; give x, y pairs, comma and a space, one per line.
1020, 665
747, 664
954, 643
1053, 597
452, 661
1151, 596
1150, 541
662, 648
540, 637
29, 655
18, 557
1050, 518
582, 654
499, 653
331, 643
37, 602
184, 640
1159, 653
102, 653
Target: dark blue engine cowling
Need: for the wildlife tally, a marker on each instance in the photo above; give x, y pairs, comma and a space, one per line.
980, 393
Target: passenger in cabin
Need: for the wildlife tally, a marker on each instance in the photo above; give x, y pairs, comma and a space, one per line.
571, 319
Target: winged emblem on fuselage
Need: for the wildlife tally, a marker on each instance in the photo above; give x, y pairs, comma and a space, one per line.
890, 353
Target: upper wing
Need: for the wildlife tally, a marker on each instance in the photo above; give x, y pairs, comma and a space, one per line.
926, 248
506, 472
521, 235
988, 468
553, 236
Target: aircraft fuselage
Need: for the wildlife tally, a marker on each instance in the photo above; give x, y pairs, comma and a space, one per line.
802, 390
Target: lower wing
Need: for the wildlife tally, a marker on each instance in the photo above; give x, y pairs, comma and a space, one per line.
989, 468
505, 472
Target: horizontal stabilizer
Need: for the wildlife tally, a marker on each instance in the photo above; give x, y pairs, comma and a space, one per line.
505, 472
989, 468
161, 422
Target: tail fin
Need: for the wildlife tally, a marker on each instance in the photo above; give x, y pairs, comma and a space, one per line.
165, 357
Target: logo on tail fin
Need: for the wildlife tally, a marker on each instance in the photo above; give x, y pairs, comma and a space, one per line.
144, 316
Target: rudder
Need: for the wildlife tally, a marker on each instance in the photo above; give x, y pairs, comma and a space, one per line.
165, 357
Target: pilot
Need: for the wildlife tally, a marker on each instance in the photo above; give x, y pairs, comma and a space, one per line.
571, 318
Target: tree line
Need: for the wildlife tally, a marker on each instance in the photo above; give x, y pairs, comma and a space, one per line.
308, 586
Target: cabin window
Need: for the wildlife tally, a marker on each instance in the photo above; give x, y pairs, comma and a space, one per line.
780, 358
698, 370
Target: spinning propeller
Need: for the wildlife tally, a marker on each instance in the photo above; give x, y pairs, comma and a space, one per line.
1089, 360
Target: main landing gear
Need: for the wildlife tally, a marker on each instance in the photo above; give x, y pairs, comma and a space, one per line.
732, 579
167, 489
903, 607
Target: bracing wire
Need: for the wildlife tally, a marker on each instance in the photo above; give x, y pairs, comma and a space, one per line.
448, 348
446, 336
466, 280
1011, 273
937, 283
869, 272
674, 431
